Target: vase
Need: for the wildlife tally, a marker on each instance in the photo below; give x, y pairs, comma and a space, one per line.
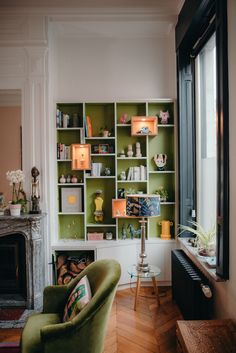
15, 209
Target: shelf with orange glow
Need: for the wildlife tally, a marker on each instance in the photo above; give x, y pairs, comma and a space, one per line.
144, 126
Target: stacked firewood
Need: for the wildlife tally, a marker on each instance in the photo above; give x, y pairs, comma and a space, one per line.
68, 267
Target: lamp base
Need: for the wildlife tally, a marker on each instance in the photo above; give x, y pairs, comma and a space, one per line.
142, 267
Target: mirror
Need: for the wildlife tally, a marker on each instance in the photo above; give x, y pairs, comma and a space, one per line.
10, 140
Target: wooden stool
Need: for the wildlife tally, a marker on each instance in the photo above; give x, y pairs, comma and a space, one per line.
151, 274
206, 336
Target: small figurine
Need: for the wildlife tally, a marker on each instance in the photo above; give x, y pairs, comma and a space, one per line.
107, 171
160, 161
130, 151
62, 179
74, 179
144, 131
164, 116
122, 153
134, 232
123, 175
123, 232
138, 150
121, 193
35, 197
123, 118
98, 213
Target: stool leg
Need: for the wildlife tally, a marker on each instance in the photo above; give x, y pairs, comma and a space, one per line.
156, 291
137, 292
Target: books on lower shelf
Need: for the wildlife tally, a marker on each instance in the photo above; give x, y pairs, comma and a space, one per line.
63, 151
137, 173
96, 169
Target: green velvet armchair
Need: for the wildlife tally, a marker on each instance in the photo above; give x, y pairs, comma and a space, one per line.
46, 333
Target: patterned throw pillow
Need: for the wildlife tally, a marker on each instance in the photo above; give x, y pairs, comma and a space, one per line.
79, 297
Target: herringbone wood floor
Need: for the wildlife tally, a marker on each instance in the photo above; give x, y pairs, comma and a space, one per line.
149, 329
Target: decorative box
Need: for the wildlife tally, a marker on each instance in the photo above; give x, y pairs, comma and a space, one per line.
95, 236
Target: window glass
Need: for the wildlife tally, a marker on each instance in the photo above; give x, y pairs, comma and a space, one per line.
206, 135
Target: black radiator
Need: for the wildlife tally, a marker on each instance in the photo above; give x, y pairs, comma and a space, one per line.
191, 289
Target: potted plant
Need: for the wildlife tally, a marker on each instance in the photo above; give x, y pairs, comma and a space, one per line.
163, 194
205, 239
19, 201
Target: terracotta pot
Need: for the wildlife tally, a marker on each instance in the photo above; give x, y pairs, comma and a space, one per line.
15, 209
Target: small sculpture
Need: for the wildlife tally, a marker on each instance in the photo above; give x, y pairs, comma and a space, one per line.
107, 171
164, 116
144, 131
122, 153
62, 179
138, 150
130, 151
123, 232
35, 197
98, 213
160, 161
134, 232
123, 118
123, 175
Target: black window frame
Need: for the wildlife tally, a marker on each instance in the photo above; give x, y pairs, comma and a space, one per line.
197, 21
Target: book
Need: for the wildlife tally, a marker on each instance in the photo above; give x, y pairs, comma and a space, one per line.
89, 127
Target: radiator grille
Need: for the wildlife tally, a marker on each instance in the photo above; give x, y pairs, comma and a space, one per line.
187, 282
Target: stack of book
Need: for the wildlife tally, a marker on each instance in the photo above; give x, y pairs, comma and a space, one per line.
63, 151
96, 169
137, 173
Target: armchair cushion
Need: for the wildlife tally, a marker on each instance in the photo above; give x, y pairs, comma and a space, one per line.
32, 331
79, 297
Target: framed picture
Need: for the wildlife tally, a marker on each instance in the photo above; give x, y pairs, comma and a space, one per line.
103, 148
71, 200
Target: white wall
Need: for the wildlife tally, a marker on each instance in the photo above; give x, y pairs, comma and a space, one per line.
225, 294
114, 68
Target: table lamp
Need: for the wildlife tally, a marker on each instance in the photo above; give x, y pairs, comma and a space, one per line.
143, 206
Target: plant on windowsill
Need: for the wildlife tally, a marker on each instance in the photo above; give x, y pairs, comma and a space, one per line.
205, 239
19, 201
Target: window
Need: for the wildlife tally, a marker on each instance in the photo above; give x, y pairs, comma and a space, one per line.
206, 134
202, 73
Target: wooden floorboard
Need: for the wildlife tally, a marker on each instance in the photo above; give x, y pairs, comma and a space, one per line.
149, 329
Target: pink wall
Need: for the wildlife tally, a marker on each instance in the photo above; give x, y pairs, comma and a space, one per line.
10, 145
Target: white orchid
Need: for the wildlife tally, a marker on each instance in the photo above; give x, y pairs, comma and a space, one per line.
16, 178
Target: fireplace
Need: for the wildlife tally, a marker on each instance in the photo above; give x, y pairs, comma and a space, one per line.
21, 261
13, 265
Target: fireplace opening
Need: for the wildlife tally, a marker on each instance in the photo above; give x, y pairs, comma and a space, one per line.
13, 266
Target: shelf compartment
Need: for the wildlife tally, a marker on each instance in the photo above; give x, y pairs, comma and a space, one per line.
105, 229
163, 143
107, 185
144, 126
125, 139
167, 213
71, 226
124, 227
131, 109
154, 108
101, 116
167, 181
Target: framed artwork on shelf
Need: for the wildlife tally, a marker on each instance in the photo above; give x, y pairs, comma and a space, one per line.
103, 148
71, 200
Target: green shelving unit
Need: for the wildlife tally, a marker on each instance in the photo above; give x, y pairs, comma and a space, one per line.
106, 115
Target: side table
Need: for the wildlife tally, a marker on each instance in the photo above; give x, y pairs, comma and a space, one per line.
151, 274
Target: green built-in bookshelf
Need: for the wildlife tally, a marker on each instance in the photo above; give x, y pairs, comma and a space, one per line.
109, 152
